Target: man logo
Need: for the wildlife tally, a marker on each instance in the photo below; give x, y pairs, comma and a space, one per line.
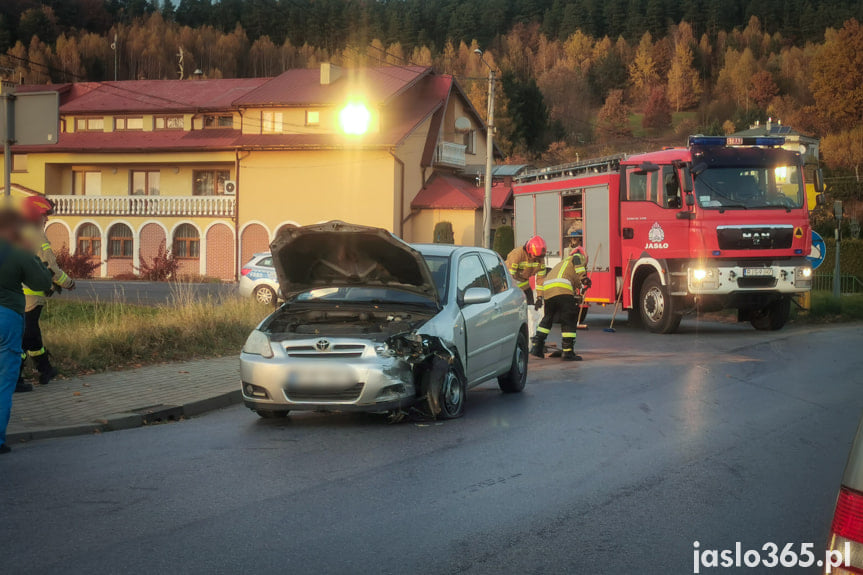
322, 345
655, 237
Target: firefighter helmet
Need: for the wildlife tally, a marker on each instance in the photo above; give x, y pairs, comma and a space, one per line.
35, 207
535, 247
579, 253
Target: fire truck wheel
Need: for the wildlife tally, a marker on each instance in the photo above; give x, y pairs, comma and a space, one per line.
657, 307
772, 317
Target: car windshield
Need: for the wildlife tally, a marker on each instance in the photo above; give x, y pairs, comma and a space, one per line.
745, 187
362, 295
439, 266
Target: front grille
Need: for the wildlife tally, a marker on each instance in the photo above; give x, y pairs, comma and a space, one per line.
312, 394
335, 351
755, 238
757, 282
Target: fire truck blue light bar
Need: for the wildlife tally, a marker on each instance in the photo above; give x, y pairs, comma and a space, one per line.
735, 141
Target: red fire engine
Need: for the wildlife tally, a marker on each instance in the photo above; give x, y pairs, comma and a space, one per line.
720, 224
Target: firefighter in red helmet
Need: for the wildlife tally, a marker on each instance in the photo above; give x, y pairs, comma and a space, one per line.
36, 210
527, 261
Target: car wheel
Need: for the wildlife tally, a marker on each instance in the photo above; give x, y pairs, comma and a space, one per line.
452, 395
264, 295
513, 381
657, 307
272, 414
772, 317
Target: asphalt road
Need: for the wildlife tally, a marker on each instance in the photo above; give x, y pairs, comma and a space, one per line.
615, 465
145, 293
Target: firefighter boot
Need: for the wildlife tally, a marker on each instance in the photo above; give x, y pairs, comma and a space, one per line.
47, 372
538, 348
568, 353
22, 386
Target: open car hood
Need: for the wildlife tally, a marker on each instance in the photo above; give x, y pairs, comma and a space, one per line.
337, 254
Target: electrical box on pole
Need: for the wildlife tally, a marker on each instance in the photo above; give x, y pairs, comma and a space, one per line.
28, 119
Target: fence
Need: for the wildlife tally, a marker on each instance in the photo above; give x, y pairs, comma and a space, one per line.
847, 283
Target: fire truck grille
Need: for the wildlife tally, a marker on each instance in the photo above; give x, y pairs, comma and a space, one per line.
755, 238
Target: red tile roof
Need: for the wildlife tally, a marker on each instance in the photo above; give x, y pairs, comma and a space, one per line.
159, 140
444, 191
160, 96
302, 87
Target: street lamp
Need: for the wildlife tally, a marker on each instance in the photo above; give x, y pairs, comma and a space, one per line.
489, 154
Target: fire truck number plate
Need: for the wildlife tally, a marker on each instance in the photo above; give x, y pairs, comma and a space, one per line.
757, 272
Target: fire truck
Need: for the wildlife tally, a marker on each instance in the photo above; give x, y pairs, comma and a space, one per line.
722, 223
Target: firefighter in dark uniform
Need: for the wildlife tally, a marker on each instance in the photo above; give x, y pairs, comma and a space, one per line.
562, 293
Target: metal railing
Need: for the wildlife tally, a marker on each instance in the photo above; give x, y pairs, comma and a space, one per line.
186, 206
847, 283
450, 154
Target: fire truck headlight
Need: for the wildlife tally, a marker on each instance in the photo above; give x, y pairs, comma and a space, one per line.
699, 274
803, 276
704, 278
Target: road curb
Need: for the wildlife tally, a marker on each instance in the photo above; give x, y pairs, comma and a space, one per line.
129, 419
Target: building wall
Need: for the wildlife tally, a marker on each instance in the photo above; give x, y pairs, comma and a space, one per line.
410, 153
220, 252
458, 108
253, 239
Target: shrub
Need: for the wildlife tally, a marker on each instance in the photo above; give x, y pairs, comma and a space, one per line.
161, 268
77, 266
443, 233
504, 240
851, 258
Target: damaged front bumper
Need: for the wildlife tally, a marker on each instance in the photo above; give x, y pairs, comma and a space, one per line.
343, 375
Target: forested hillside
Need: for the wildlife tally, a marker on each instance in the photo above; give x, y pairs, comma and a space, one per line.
579, 76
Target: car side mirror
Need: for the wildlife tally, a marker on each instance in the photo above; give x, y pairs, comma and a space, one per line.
476, 295
819, 181
690, 199
686, 184
646, 167
698, 168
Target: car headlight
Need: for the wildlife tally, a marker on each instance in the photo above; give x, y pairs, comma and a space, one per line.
258, 343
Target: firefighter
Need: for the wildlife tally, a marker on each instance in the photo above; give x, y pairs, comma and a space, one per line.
527, 261
562, 292
576, 240
36, 210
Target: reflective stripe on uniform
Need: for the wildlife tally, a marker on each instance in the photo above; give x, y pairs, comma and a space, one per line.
28, 291
567, 349
559, 283
544, 330
525, 284
36, 353
571, 334
46, 247
580, 270
63, 278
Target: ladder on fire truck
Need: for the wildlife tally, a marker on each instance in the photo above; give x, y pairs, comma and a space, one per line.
584, 167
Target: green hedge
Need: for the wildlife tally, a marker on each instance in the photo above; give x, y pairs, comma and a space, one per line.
443, 233
504, 240
851, 257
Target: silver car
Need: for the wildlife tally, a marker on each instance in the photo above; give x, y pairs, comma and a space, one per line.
371, 323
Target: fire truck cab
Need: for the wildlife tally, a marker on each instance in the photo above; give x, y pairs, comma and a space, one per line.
722, 223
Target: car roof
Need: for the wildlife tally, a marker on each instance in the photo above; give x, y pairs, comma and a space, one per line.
447, 249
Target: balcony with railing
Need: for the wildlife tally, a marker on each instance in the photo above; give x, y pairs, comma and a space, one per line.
178, 206
450, 154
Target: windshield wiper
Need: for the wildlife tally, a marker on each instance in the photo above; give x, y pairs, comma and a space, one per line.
724, 206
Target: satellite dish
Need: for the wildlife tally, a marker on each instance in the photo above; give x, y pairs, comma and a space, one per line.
462, 124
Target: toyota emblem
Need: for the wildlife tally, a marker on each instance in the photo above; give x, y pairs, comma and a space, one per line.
322, 345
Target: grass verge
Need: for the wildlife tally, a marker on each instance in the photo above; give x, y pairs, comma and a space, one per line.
86, 337
825, 308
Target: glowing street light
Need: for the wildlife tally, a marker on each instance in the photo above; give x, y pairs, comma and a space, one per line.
355, 119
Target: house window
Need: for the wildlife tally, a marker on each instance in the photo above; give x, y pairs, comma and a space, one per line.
313, 117
209, 182
144, 183
89, 240
120, 241
90, 124
19, 162
169, 122
86, 183
187, 242
470, 142
122, 124
271, 122
218, 121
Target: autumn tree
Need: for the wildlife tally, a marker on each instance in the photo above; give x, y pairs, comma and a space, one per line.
844, 150
642, 71
657, 113
567, 95
684, 85
837, 76
762, 88
613, 119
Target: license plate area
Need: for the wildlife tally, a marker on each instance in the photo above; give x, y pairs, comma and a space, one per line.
757, 272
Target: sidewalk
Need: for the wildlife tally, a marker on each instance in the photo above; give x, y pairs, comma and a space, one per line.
124, 399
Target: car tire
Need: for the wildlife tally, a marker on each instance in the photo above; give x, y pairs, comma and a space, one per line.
264, 295
773, 317
452, 396
657, 307
272, 414
513, 381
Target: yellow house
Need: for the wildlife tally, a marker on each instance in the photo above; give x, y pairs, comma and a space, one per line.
213, 169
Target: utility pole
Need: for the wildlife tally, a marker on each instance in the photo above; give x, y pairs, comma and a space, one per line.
8, 138
116, 61
837, 278
489, 156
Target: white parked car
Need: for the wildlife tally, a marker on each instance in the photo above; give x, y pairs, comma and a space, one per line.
372, 323
258, 279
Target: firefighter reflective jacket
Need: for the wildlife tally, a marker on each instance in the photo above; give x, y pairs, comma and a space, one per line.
519, 265
42, 250
564, 278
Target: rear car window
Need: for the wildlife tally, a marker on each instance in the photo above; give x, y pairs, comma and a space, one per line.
496, 272
266, 262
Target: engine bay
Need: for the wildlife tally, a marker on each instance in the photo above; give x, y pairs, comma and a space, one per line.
373, 322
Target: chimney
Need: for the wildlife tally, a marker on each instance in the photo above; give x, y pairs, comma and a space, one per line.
329, 73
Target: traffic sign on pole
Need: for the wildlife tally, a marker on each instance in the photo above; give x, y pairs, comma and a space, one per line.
819, 251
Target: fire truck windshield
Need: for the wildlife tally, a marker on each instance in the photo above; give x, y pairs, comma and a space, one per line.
750, 187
